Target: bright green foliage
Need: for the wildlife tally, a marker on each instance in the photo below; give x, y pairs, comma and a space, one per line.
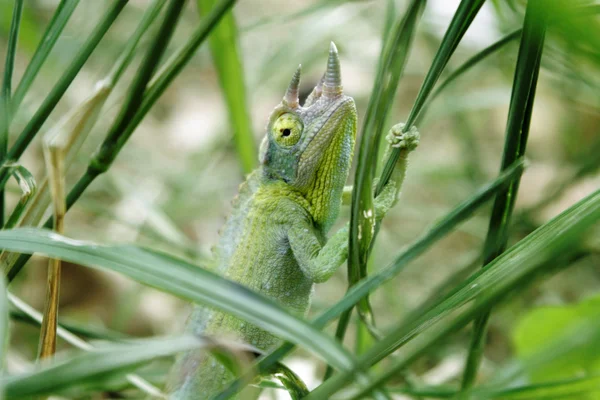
539, 329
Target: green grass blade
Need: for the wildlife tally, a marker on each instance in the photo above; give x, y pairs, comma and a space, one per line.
369, 284
466, 12
224, 45
61, 86
577, 388
517, 131
55, 27
6, 91
96, 366
88, 332
391, 65
515, 267
184, 280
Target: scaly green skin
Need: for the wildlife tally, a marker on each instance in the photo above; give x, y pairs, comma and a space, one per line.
275, 239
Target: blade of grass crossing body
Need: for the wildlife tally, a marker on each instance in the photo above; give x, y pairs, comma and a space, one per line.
398, 40
517, 130
466, 12
224, 46
372, 282
59, 20
6, 91
75, 341
517, 266
36, 122
185, 280
115, 140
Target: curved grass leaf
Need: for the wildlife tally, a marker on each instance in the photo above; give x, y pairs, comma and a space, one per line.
393, 58
184, 280
92, 367
6, 90
224, 48
515, 267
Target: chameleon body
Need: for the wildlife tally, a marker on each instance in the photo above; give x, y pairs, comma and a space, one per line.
275, 240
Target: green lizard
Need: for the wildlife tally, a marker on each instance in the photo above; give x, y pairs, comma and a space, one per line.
275, 239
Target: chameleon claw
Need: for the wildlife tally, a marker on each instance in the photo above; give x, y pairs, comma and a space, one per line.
403, 140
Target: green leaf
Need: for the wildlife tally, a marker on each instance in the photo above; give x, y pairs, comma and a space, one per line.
184, 280
224, 46
542, 326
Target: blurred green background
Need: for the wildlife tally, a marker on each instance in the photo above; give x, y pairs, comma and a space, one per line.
170, 188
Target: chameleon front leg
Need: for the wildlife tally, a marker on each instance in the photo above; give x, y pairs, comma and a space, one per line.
406, 142
317, 262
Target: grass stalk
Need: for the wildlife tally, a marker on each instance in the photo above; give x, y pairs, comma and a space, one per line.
54, 155
517, 131
6, 91
398, 40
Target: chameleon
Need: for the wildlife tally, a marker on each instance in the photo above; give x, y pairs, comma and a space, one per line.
275, 240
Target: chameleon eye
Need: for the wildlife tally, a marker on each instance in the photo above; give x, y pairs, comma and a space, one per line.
287, 129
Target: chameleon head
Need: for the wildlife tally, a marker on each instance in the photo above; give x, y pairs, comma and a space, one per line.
310, 147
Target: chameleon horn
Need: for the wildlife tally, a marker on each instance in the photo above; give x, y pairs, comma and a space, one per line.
333, 76
315, 94
291, 94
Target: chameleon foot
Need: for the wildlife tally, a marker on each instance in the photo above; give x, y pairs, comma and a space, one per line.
403, 140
